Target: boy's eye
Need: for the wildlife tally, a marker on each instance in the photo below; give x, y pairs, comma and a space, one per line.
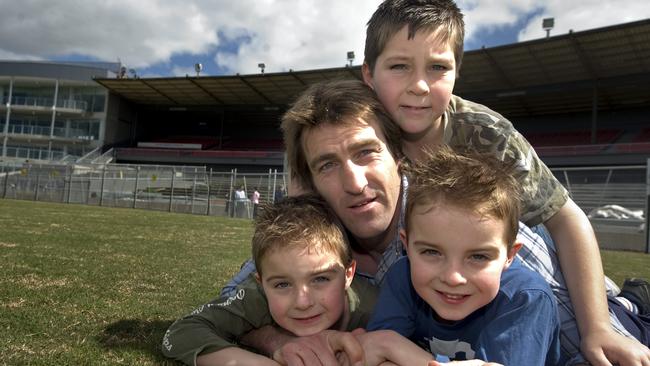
281, 285
430, 252
398, 67
319, 279
439, 67
479, 257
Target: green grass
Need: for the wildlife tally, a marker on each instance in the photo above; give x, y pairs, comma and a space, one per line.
95, 285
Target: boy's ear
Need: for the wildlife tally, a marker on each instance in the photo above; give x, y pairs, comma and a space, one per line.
511, 253
403, 238
367, 75
349, 273
258, 278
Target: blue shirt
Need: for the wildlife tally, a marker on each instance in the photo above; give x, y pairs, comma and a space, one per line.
519, 327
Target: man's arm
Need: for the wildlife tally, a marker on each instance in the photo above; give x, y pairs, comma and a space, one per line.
581, 265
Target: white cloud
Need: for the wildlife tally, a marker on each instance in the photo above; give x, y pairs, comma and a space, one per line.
585, 14
284, 34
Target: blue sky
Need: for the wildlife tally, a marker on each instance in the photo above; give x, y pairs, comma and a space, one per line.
159, 38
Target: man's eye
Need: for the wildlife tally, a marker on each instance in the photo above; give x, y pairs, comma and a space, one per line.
325, 166
439, 67
398, 67
365, 152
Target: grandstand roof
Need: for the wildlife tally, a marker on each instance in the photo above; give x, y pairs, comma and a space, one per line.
558, 74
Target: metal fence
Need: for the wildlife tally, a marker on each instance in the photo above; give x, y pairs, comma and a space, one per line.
616, 198
193, 189
183, 189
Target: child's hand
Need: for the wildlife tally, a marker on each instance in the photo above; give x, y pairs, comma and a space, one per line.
323, 349
465, 363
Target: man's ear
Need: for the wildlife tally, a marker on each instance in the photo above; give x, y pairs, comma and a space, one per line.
367, 75
349, 273
403, 238
511, 254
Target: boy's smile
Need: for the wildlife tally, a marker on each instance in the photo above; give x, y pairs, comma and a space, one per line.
305, 289
414, 79
456, 259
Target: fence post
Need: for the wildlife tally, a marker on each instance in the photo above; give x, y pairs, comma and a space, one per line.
233, 180
193, 192
171, 191
101, 193
71, 167
4, 192
135, 189
38, 178
209, 180
275, 179
647, 207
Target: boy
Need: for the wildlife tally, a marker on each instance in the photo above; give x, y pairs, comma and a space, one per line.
460, 293
304, 284
412, 57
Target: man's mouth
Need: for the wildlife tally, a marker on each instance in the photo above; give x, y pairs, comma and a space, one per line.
363, 203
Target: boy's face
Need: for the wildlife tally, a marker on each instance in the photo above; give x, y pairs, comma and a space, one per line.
353, 170
414, 79
305, 290
456, 259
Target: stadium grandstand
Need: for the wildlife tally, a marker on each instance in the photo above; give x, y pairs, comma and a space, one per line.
580, 98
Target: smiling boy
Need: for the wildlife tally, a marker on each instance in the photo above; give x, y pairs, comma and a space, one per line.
461, 294
304, 285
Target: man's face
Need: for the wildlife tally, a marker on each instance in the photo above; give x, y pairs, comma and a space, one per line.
308, 295
457, 258
414, 79
353, 170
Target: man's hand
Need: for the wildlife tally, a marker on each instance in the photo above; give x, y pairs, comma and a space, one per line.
608, 348
328, 348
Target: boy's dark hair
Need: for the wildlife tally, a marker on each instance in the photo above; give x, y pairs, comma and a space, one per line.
469, 180
440, 16
298, 222
339, 103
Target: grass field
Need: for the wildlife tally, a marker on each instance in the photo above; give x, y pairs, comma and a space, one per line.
92, 285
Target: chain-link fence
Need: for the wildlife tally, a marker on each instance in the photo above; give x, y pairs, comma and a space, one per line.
184, 189
615, 198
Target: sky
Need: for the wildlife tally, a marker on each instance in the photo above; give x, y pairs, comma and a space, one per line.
163, 38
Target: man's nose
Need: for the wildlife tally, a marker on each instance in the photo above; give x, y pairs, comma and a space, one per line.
353, 178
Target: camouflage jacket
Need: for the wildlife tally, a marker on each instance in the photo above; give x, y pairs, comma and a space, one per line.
472, 124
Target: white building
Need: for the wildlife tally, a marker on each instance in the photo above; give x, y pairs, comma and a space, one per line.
52, 111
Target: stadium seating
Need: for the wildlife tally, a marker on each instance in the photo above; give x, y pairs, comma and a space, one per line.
572, 138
